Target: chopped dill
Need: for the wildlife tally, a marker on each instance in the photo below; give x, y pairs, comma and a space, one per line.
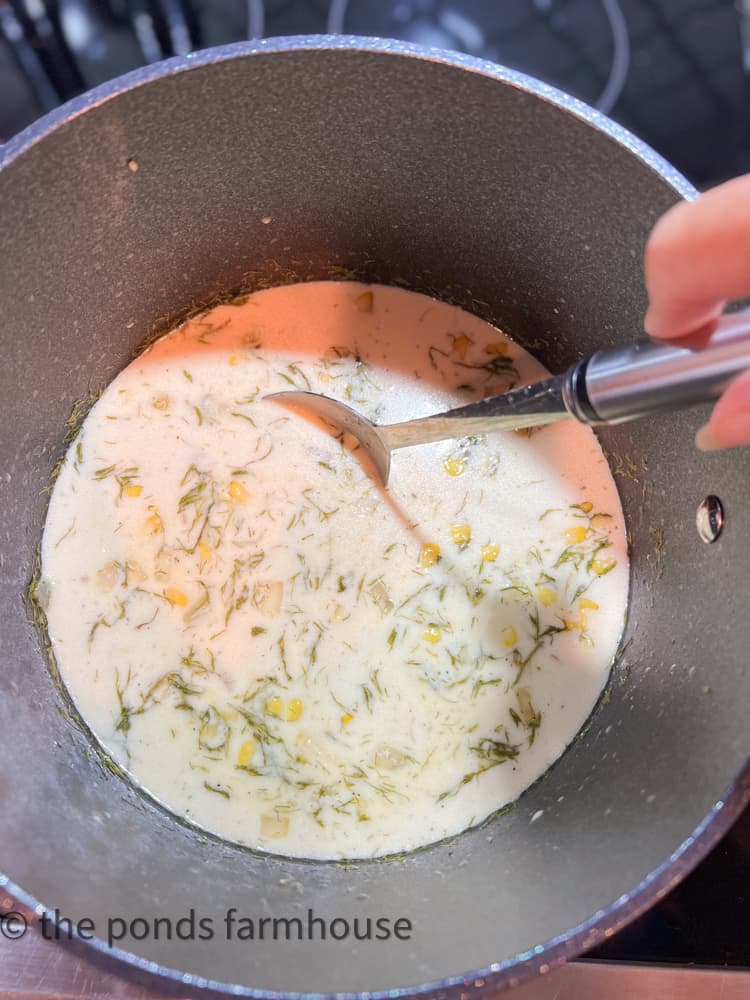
217, 791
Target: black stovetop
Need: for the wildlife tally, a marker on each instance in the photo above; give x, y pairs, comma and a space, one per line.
704, 921
672, 71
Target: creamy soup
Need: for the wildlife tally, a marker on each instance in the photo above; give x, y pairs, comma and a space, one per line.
284, 653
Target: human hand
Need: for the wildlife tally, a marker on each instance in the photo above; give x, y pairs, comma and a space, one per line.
697, 259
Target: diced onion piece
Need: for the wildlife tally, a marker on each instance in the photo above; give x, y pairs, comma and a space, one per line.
381, 597
268, 597
389, 758
106, 577
136, 572
214, 731
274, 827
165, 562
275, 706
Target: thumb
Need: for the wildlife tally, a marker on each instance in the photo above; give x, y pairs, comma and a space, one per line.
730, 421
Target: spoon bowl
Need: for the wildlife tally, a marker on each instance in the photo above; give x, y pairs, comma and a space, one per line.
344, 418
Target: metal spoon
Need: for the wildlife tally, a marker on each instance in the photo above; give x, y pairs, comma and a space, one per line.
610, 387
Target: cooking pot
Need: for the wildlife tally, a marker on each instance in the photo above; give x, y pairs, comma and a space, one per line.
296, 159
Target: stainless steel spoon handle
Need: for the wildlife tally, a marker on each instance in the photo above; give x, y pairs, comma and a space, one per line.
646, 377
607, 388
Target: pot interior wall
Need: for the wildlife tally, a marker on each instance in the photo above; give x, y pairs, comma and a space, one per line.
397, 169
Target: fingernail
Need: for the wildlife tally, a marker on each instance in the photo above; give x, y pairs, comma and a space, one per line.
651, 321
705, 440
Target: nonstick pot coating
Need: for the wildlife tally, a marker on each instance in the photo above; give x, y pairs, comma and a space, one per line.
378, 161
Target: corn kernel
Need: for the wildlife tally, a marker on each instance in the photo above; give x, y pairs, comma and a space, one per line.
510, 636
576, 624
152, 525
497, 348
161, 402
490, 553
602, 566
586, 604
547, 596
433, 633
175, 596
205, 550
454, 466
363, 302
586, 506
247, 752
275, 706
346, 718
461, 345
429, 555
600, 522
461, 533
237, 492
576, 535
132, 490
294, 710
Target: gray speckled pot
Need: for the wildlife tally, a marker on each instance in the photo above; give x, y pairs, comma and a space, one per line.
466, 181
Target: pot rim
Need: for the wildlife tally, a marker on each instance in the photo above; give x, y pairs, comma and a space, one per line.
543, 957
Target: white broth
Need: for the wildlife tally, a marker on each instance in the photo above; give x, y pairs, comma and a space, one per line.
283, 653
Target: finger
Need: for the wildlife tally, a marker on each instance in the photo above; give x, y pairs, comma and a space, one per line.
730, 421
697, 258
